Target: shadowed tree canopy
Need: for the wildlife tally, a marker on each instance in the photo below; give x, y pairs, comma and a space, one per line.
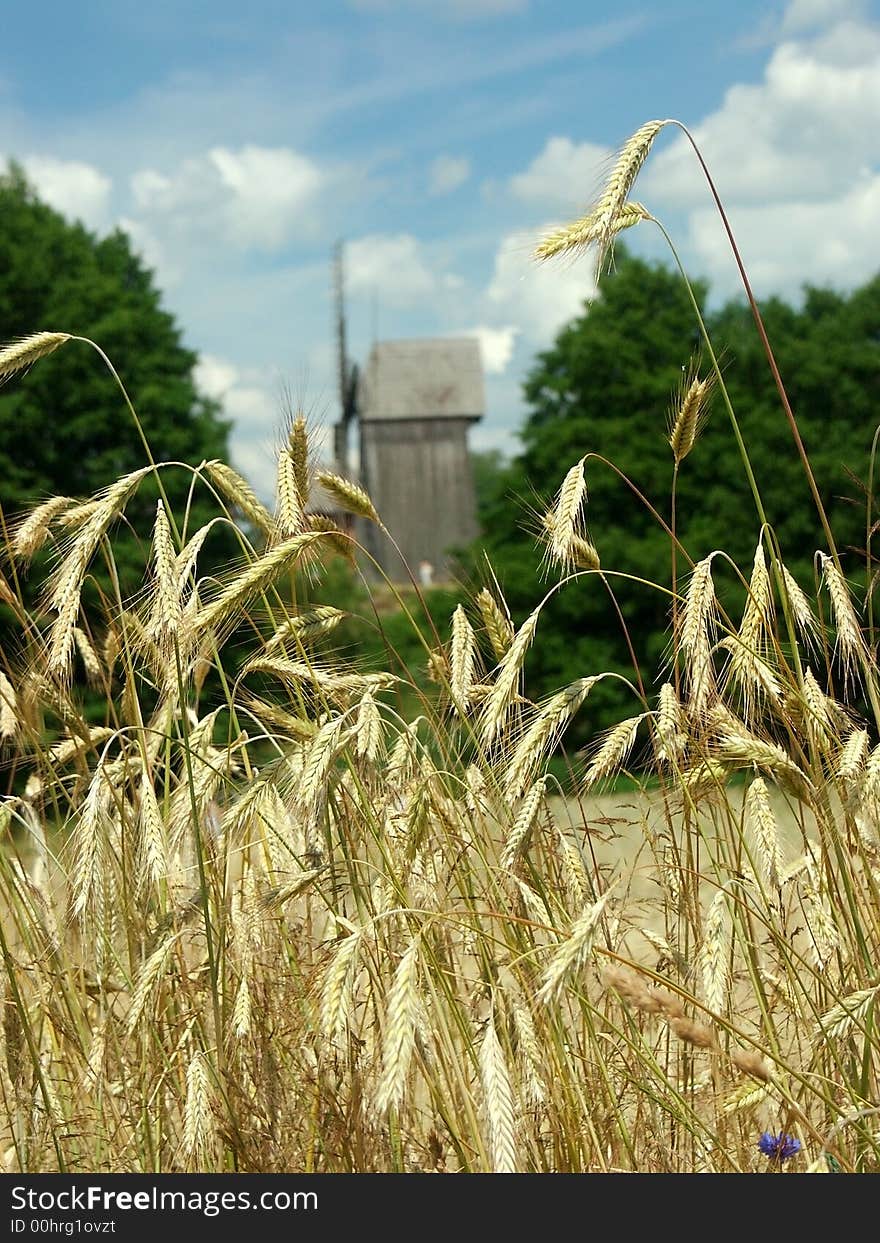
606, 387
64, 427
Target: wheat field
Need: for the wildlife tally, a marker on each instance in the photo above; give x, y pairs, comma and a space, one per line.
259, 918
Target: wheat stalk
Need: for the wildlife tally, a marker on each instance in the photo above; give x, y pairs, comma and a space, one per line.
819, 724
153, 863
800, 606
150, 974
531, 1055
242, 1009
668, 722
165, 621
851, 761
298, 448
746, 749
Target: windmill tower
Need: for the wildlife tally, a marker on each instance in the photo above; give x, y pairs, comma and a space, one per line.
414, 404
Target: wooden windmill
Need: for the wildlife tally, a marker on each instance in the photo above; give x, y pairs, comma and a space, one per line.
413, 403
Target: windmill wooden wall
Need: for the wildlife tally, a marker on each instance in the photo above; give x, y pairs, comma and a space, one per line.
416, 403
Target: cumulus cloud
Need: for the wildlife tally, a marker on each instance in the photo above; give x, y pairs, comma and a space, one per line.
214, 376
798, 134
788, 244
253, 197
806, 14
447, 173
539, 299
496, 345
76, 189
564, 176
247, 396
152, 252
392, 266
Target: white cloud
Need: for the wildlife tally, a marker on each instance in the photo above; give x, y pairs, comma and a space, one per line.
152, 252
539, 299
252, 407
246, 396
799, 134
496, 346
392, 267
786, 244
794, 158
447, 173
214, 376
255, 459
564, 176
269, 188
78, 190
252, 197
806, 14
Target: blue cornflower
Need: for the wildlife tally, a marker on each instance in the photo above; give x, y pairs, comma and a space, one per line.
779, 1147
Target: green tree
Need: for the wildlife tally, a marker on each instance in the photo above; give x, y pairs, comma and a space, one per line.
64, 427
606, 387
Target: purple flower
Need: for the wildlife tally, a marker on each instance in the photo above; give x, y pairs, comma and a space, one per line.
779, 1147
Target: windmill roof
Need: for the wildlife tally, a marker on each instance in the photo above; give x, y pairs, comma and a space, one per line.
439, 377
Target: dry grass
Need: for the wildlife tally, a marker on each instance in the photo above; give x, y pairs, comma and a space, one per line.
282, 926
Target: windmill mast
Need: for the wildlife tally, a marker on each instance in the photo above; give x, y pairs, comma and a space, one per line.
346, 375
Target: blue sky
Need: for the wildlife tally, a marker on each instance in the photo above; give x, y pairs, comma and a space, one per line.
438, 137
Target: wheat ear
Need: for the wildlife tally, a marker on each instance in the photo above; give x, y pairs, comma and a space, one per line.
765, 833
349, 495
21, 354
505, 686
572, 954
584, 232
499, 629
498, 1096
696, 634
399, 1033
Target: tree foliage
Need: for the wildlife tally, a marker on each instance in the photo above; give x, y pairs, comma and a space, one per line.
64, 427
